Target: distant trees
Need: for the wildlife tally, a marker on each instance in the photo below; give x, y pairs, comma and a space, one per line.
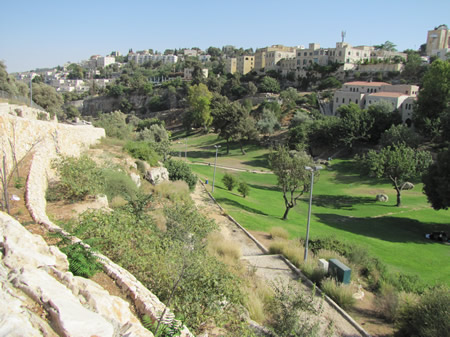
398, 163
269, 84
355, 124
199, 100
388, 46
293, 178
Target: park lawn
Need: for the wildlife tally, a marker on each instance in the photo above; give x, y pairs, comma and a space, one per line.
344, 208
200, 149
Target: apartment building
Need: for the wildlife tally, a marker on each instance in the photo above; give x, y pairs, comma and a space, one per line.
230, 65
245, 64
438, 42
401, 96
269, 57
143, 57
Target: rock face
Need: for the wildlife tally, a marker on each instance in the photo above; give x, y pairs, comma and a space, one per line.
157, 175
382, 198
75, 306
136, 179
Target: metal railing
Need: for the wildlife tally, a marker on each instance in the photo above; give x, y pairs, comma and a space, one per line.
13, 99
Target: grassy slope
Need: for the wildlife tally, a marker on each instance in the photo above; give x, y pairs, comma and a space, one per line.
343, 207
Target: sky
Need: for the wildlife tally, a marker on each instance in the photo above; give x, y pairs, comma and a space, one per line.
47, 33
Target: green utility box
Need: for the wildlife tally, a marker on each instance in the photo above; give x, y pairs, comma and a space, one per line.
339, 270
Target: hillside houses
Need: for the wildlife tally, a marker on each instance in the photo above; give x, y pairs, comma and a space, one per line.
401, 96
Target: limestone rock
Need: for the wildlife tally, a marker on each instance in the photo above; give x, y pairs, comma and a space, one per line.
382, 198
407, 186
23, 248
70, 318
157, 175
136, 178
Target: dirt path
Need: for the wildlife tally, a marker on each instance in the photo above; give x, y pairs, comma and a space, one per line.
269, 267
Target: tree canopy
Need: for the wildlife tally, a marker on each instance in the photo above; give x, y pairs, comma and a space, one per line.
199, 99
293, 178
433, 103
437, 182
398, 163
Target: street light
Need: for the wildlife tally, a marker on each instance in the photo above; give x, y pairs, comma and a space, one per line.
215, 163
185, 151
312, 170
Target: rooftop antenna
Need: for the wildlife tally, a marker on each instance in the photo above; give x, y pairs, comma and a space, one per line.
343, 33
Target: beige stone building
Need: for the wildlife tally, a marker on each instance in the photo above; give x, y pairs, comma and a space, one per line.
401, 96
269, 57
438, 42
230, 65
245, 64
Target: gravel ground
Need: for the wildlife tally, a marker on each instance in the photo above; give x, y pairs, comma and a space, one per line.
269, 267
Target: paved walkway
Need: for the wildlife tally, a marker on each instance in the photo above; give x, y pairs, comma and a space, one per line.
269, 267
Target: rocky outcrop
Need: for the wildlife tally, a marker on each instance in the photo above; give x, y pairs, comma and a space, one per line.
407, 186
33, 274
155, 175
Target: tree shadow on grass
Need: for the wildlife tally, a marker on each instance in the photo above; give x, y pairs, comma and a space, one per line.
385, 228
348, 173
265, 187
340, 201
259, 161
233, 203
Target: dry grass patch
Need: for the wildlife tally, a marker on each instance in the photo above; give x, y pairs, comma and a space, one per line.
172, 190
278, 233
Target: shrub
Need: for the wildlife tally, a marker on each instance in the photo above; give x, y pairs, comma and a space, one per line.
287, 305
118, 183
387, 302
173, 190
141, 167
243, 189
229, 181
429, 318
340, 293
179, 170
143, 151
81, 260
278, 233
224, 248
115, 125
79, 177
292, 250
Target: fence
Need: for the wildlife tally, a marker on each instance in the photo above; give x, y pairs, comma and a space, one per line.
19, 99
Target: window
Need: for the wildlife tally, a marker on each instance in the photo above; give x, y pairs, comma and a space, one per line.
343, 100
349, 100
367, 89
305, 54
406, 92
370, 102
349, 53
337, 99
356, 101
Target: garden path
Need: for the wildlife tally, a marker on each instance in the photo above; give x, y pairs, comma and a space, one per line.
269, 267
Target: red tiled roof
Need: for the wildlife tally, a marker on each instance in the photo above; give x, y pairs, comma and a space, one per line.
388, 94
368, 84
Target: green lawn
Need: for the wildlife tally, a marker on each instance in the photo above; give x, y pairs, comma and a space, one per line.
200, 149
344, 207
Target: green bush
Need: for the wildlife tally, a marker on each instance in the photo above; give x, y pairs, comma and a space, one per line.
285, 308
118, 183
387, 302
243, 189
79, 177
429, 318
229, 181
143, 151
141, 167
179, 170
81, 260
115, 125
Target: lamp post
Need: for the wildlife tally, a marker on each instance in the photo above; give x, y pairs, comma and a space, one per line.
215, 163
185, 150
312, 170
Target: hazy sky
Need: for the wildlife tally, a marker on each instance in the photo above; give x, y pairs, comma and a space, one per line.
47, 33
